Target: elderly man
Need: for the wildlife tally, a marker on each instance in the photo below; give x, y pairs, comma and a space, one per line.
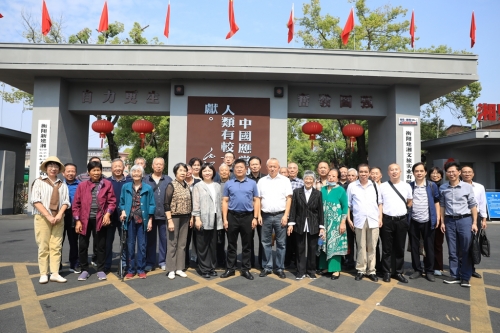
117, 179
275, 193
255, 165
284, 172
296, 182
352, 175
323, 169
240, 204
396, 197
459, 213
158, 182
343, 181
140, 161
229, 160
480, 195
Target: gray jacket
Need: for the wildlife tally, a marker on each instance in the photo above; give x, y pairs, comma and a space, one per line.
203, 205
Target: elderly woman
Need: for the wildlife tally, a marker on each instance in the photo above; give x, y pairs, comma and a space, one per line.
306, 221
50, 198
178, 207
191, 181
335, 212
93, 205
137, 204
436, 176
207, 205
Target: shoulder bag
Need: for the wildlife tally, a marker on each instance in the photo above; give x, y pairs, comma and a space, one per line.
399, 194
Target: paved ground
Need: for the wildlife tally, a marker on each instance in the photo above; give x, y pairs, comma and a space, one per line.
235, 304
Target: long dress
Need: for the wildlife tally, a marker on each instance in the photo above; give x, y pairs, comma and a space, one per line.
335, 210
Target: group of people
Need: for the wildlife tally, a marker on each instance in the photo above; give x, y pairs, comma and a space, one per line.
315, 222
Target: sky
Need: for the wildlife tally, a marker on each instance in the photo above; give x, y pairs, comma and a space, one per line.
261, 23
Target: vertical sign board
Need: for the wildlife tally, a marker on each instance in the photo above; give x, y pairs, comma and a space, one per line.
42, 145
219, 125
493, 204
408, 153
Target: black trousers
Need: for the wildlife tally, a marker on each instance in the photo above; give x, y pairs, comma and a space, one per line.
188, 243
416, 230
291, 251
221, 249
206, 249
306, 265
69, 229
99, 240
258, 231
479, 227
351, 240
239, 225
393, 234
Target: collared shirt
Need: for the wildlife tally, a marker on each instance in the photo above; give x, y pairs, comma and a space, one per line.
457, 200
296, 183
480, 196
319, 183
42, 192
420, 208
392, 204
72, 188
241, 194
159, 188
273, 193
363, 204
256, 179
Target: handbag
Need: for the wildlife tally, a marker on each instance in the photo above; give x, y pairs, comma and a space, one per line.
475, 249
399, 194
484, 243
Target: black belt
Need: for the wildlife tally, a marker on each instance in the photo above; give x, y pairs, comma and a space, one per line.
458, 217
394, 218
240, 214
273, 214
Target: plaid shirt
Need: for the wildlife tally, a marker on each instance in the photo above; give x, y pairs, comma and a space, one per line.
296, 183
136, 206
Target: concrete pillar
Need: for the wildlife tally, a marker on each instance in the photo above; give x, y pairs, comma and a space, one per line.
7, 183
68, 131
386, 139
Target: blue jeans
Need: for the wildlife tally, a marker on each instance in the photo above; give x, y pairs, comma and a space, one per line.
459, 236
160, 230
137, 263
270, 223
110, 238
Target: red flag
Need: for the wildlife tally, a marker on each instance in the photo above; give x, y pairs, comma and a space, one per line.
472, 31
103, 24
349, 26
232, 22
412, 28
1, 15
167, 22
46, 22
290, 26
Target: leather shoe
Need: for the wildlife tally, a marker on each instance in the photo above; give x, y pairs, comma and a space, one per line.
227, 274
387, 277
281, 274
247, 274
416, 275
213, 273
265, 272
335, 277
359, 276
430, 277
476, 275
373, 277
206, 275
401, 278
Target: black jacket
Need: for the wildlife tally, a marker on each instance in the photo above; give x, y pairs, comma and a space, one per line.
312, 210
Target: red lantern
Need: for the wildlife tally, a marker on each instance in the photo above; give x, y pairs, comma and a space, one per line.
102, 127
142, 127
312, 128
353, 131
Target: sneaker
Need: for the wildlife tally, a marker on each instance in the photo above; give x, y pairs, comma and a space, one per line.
142, 275
465, 283
171, 275
163, 267
181, 273
101, 275
300, 277
84, 276
75, 269
312, 276
43, 279
93, 263
129, 275
57, 278
452, 280
438, 272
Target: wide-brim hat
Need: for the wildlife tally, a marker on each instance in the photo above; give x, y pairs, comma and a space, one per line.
53, 159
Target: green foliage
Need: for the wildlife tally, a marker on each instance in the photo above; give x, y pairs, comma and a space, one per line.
81, 37
110, 36
17, 96
429, 128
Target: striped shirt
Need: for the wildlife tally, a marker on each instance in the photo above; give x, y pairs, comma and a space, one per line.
296, 183
42, 192
420, 211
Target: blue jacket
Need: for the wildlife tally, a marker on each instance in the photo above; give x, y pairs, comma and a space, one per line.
147, 202
117, 188
159, 193
432, 197
72, 189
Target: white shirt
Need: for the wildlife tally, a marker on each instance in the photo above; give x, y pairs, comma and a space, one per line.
392, 204
480, 195
211, 188
273, 193
363, 204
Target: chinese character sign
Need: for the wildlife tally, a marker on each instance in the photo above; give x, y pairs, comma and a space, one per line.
408, 153
220, 125
42, 146
488, 112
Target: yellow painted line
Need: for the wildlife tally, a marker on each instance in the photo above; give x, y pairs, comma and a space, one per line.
34, 317
83, 287
433, 294
334, 294
479, 318
232, 294
491, 287
226, 320
492, 308
302, 324
358, 317
7, 281
10, 305
421, 320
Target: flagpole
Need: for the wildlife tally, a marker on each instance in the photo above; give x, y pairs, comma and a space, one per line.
353, 29
412, 13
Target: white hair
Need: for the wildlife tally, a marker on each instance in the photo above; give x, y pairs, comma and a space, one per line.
309, 173
223, 165
352, 169
137, 167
